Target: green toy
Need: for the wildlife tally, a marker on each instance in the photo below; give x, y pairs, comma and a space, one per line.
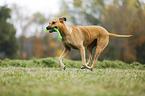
60, 38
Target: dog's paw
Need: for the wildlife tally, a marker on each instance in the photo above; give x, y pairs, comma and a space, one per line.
64, 68
83, 67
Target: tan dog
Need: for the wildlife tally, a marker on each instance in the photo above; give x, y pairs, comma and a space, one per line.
79, 37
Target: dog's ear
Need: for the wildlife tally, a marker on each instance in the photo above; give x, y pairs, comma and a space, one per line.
62, 19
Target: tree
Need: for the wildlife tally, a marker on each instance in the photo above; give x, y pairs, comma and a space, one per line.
126, 17
8, 44
85, 12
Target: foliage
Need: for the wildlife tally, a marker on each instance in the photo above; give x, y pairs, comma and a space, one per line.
46, 46
83, 12
126, 17
8, 44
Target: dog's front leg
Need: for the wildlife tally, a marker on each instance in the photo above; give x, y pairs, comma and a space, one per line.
89, 51
82, 51
65, 51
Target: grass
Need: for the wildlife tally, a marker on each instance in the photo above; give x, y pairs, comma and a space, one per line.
45, 77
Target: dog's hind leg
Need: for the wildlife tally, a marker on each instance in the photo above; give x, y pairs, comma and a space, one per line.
101, 44
65, 51
89, 50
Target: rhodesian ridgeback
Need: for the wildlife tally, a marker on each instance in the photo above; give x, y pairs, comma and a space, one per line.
79, 37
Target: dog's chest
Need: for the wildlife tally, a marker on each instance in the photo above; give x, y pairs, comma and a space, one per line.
70, 42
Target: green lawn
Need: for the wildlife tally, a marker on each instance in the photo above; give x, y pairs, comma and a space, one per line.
43, 80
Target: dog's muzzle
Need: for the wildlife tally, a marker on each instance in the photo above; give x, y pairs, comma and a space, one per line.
51, 29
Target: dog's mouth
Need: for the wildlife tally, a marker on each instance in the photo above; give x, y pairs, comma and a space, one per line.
51, 29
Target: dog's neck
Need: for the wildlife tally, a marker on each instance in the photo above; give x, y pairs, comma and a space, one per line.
65, 29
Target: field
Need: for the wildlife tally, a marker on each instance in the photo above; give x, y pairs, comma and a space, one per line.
45, 77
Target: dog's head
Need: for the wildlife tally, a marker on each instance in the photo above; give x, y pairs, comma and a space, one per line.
55, 23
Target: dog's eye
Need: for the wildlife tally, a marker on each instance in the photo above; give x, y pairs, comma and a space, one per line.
53, 22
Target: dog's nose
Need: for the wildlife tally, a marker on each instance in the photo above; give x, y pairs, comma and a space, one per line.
47, 27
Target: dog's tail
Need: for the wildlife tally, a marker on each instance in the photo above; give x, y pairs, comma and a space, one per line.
116, 35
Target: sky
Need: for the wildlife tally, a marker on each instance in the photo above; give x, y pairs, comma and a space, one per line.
43, 6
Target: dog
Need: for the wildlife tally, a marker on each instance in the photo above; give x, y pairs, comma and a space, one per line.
81, 37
